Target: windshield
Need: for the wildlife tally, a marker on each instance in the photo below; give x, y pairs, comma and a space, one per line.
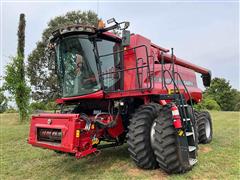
77, 66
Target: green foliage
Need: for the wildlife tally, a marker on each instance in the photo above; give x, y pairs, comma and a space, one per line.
208, 103
236, 100
38, 106
237, 107
17, 87
15, 81
43, 79
51, 105
222, 92
3, 101
11, 110
21, 36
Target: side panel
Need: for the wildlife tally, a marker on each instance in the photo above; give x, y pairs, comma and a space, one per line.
142, 50
46, 124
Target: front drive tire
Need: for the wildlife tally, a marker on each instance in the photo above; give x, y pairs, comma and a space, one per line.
204, 126
139, 136
166, 146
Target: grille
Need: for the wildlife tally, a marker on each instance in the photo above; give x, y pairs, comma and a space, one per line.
49, 135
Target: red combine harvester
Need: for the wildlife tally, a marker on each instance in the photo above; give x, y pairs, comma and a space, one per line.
123, 90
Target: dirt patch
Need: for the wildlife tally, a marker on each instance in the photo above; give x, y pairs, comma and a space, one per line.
158, 175
153, 174
119, 165
134, 172
205, 149
131, 171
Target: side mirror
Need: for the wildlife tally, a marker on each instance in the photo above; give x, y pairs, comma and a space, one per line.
207, 79
125, 38
112, 20
126, 25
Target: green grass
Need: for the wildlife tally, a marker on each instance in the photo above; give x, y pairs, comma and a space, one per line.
19, 160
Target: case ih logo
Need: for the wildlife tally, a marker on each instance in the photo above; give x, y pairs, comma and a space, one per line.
49, 121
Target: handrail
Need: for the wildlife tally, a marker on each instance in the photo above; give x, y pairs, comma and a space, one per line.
170, 75
147, 66
116, 52
185, 88
176, 87
189, 95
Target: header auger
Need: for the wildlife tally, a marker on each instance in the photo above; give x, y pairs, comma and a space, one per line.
123, 90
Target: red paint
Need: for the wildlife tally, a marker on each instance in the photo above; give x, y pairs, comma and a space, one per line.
177, 123
176, 117
69, 124
85, 153
66, 122
95, 95
118, 129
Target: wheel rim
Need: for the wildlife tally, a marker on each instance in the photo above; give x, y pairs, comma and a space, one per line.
207, 128
152, 134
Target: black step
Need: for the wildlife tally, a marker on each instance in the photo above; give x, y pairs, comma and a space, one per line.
188, 119
192, 161
189, 133
191, 148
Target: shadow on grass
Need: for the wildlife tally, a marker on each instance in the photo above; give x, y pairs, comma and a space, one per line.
108, 158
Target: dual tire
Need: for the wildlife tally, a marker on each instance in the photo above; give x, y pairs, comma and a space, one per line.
152, 139
139, 135
204, 127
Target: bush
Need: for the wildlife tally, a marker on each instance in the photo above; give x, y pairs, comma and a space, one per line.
11, 110
38, 106
51, 105
237, 107
208, 103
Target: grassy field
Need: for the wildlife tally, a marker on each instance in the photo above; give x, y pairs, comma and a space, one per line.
218, 160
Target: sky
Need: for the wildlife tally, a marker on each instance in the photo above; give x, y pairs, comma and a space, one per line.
205, 33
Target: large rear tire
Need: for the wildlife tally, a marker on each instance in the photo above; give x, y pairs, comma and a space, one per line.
139, 136
204, 126
166, 146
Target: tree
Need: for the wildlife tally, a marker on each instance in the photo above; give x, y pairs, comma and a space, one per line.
236, 99
15, 81
3, 101
42, 79
222, 92
207, 103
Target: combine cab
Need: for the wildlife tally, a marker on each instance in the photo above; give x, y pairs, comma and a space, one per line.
123, 90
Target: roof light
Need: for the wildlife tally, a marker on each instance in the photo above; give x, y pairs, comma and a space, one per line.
101, 24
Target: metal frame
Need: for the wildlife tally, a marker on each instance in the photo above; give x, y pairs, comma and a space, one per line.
147, 66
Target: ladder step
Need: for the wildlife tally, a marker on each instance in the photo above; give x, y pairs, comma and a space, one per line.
192, 161
189, 133
191, 148
186, 119
185, 105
